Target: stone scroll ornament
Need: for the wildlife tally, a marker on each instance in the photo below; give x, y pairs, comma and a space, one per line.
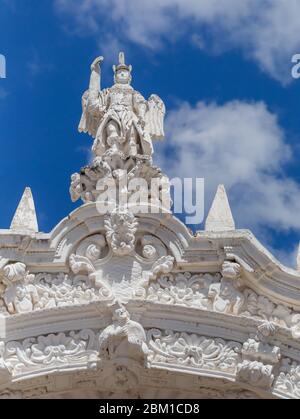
119, 264
115, 265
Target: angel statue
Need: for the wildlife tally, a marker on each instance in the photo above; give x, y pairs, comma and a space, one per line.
120, 119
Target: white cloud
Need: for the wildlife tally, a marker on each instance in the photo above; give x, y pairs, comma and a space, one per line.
241, 145
265, 30
287, 257
36, 65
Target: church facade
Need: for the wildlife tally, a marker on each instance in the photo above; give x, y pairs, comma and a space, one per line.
122, 300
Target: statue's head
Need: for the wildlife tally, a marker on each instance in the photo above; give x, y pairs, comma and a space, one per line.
120, 313
122, 71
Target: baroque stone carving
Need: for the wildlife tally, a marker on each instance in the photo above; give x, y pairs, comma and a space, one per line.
121, 226
123, 338
191, 350
4, 370
19, 295
126, 277
183, 289
96, 277
123, 125
261, 351
50, 351
225, 295
214, 292
259, 360
46, 291
255, 373
288, 380
262, 308
107, 254
119, 117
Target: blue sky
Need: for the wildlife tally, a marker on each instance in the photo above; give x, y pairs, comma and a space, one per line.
223, 71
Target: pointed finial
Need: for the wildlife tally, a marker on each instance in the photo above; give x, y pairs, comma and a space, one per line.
121, 58
25, 216
220, 217
122, 65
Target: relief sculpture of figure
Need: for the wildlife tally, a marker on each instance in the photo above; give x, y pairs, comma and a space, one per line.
120, 119
123, 338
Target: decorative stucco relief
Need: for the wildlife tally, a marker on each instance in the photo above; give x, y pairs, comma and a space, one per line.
121, 268
218, 292
54, 350
121, 226
192, 350
288, 381
254, 362
259, 360
223, 293
123, 346
102, 269
46, 291
123, 338
98, 275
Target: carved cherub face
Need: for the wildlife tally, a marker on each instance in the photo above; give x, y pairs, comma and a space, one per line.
120, 314
123, 76
20, 292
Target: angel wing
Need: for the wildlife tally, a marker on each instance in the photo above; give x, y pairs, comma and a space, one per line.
89, 123
155, 117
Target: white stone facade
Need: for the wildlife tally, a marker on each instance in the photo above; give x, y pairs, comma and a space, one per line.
129, 304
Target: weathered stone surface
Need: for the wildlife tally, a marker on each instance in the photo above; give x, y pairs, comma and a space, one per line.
220, 217
25, 219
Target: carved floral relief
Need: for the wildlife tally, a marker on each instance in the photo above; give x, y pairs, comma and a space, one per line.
192, 350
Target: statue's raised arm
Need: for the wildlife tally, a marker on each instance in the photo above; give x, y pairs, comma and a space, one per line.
91, 101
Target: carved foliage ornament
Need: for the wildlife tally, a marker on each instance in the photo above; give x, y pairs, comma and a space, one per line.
54, 350
288, 381
224, 294
191, 350
96, 278
254, 363
121, 226
46, 291
123, 339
